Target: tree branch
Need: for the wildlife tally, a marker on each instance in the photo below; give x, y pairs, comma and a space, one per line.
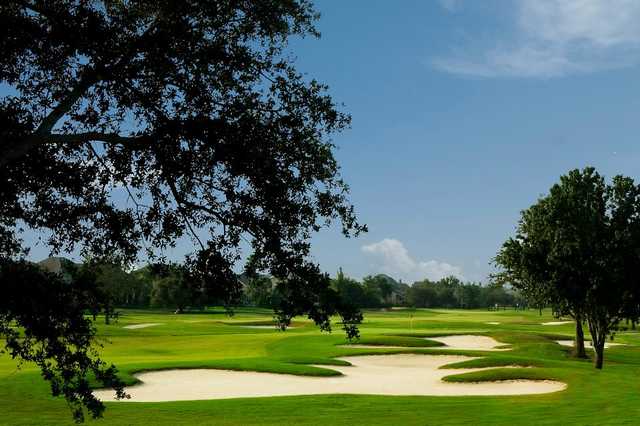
110, 138
132, 142
184, 203
179, 200
66, 104
88, 78
39, 136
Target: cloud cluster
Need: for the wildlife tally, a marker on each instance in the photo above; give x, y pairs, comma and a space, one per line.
553, 38
392, 258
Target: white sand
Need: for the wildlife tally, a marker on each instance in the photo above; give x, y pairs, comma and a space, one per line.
588, 344
493, 323
137, 326
403, 374
469, 342
556, 322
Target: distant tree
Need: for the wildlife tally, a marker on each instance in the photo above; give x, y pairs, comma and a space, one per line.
372, 296
469, 296
378, 287
259, 291
140, 288
445, 289
127, 125
495, 295
170, 292
122, 288
350, 290
172, 288
399, 294
451, 292
579, 249
422, 294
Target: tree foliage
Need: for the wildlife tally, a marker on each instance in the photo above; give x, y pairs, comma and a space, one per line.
170, 288
380, 288
59, 341
578, 249
128, 126
372, 292
382, 291
260, 291
123, 289
451, 292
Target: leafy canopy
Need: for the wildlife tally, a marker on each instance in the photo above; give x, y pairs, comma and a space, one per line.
578, 250
130, 125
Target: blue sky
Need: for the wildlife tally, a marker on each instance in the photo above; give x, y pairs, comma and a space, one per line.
464, 112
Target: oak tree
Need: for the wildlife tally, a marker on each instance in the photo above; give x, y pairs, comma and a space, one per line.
127, 126
578, 249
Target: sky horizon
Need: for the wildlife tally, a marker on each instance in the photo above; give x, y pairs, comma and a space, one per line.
464, 113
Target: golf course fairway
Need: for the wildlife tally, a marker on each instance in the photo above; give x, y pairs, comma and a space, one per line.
200, 343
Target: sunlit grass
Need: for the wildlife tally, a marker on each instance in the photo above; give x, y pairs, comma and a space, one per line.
214, 340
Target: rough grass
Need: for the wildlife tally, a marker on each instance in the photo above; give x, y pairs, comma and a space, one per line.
398, 340
503, 361
499, 374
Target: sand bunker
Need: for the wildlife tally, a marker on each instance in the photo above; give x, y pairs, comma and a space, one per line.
403, 374
136, 326
587, 344
557, 322
469, 342
493, 323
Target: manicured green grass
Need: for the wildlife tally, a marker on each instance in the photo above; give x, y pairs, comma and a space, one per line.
214, 340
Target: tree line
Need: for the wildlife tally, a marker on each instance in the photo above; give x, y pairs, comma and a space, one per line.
383, 291
168, 286
449, 292
155, 285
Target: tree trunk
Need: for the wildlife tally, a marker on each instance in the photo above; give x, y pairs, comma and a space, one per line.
599, 350
599, 333
579, 343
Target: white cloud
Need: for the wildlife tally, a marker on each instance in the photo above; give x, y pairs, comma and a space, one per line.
393, 258
552, 38
603, 23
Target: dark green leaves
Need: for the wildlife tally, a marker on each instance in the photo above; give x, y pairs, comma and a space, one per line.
578, 250
132, 125
43, 320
